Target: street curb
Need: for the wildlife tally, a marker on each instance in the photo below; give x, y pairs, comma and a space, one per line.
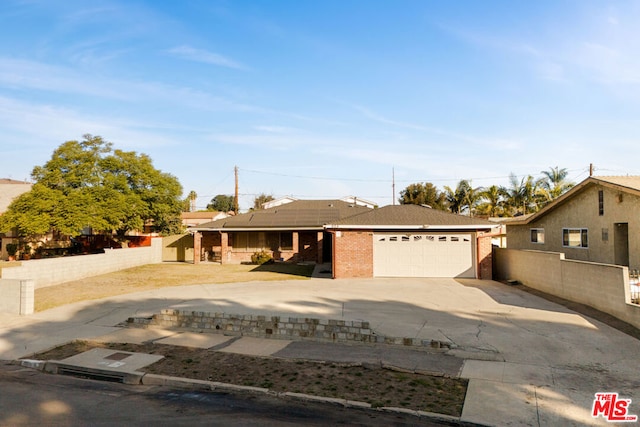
194, 384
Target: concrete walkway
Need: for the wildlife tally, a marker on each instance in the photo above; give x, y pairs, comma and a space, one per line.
529, 361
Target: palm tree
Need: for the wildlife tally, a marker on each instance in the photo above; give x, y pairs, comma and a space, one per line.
493, 204
522, 197
554, 183
192, 200
464, 197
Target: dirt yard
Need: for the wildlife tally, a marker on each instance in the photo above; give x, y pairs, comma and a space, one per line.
377, 386
154, 276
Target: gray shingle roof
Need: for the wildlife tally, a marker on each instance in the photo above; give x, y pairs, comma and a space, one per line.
298, 214
411, 215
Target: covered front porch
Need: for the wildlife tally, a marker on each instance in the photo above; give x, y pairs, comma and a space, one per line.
237, 246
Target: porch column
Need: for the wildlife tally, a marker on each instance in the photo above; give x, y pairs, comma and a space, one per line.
224, 247
319, 257
296, 246
197, 247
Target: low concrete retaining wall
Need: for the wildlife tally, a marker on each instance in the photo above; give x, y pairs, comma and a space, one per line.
53, 271
277, 327
601, 286
16, 296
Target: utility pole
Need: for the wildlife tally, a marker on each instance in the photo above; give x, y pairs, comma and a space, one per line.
235, 199
393, 186
590, 169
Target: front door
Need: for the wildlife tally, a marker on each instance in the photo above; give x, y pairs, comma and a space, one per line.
621, 243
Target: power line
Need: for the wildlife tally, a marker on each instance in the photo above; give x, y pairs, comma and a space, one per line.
324, 178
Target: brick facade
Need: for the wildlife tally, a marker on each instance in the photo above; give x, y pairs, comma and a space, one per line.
352, 254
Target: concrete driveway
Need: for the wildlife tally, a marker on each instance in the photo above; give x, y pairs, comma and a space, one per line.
529, 361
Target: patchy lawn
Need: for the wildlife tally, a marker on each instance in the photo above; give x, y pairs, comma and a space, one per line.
374, 385
154, 276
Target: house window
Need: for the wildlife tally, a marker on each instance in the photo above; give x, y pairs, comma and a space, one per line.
537, 235
601, 202
279, 241
575, 238
605, 234
286, 241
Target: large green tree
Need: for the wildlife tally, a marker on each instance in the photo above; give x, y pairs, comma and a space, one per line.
89, 184
261, 199
221, 203
423, 194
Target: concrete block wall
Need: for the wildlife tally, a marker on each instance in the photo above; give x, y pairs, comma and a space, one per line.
601, 286
277, 327
352, 254
53, 271
17, 296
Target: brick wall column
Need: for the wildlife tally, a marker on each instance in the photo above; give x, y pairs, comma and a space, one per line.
224, 247
485, 257
320, 247
296, 245
197, 247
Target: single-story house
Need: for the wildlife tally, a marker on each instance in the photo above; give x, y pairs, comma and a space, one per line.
596, 221
292, 231
411, 241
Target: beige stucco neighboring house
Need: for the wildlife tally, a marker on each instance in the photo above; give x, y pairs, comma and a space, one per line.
9, 190
598, 220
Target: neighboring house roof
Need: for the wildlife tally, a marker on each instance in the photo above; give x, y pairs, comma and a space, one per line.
10, 189
627, 184
296, 215
278, 202
359, 201
411, 217
191, 219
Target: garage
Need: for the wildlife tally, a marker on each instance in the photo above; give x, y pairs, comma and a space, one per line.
423, 255
411, 241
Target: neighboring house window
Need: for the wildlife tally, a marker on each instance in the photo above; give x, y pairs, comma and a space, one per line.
600, 202
575, 238
537, 235
605, 234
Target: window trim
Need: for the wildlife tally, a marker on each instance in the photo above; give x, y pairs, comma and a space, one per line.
584, 238
539, 232
600, 202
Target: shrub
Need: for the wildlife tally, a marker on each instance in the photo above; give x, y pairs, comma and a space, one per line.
261, 257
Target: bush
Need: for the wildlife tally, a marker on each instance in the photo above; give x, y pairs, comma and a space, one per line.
261, 257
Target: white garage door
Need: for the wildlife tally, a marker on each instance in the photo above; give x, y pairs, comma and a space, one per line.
423, 255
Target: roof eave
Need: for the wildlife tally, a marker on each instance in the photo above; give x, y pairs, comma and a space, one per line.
411, 227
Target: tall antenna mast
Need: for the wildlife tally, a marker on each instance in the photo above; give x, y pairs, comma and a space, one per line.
235, 199
393, 185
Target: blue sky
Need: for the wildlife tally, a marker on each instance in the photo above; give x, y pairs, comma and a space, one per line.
323, 99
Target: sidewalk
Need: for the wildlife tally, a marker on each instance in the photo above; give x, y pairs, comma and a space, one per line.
529, 361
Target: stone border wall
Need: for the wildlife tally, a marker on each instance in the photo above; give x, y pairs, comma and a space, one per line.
277, 327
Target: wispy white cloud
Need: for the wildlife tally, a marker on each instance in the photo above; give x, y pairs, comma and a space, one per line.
199, 55
500, 143
275, 129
